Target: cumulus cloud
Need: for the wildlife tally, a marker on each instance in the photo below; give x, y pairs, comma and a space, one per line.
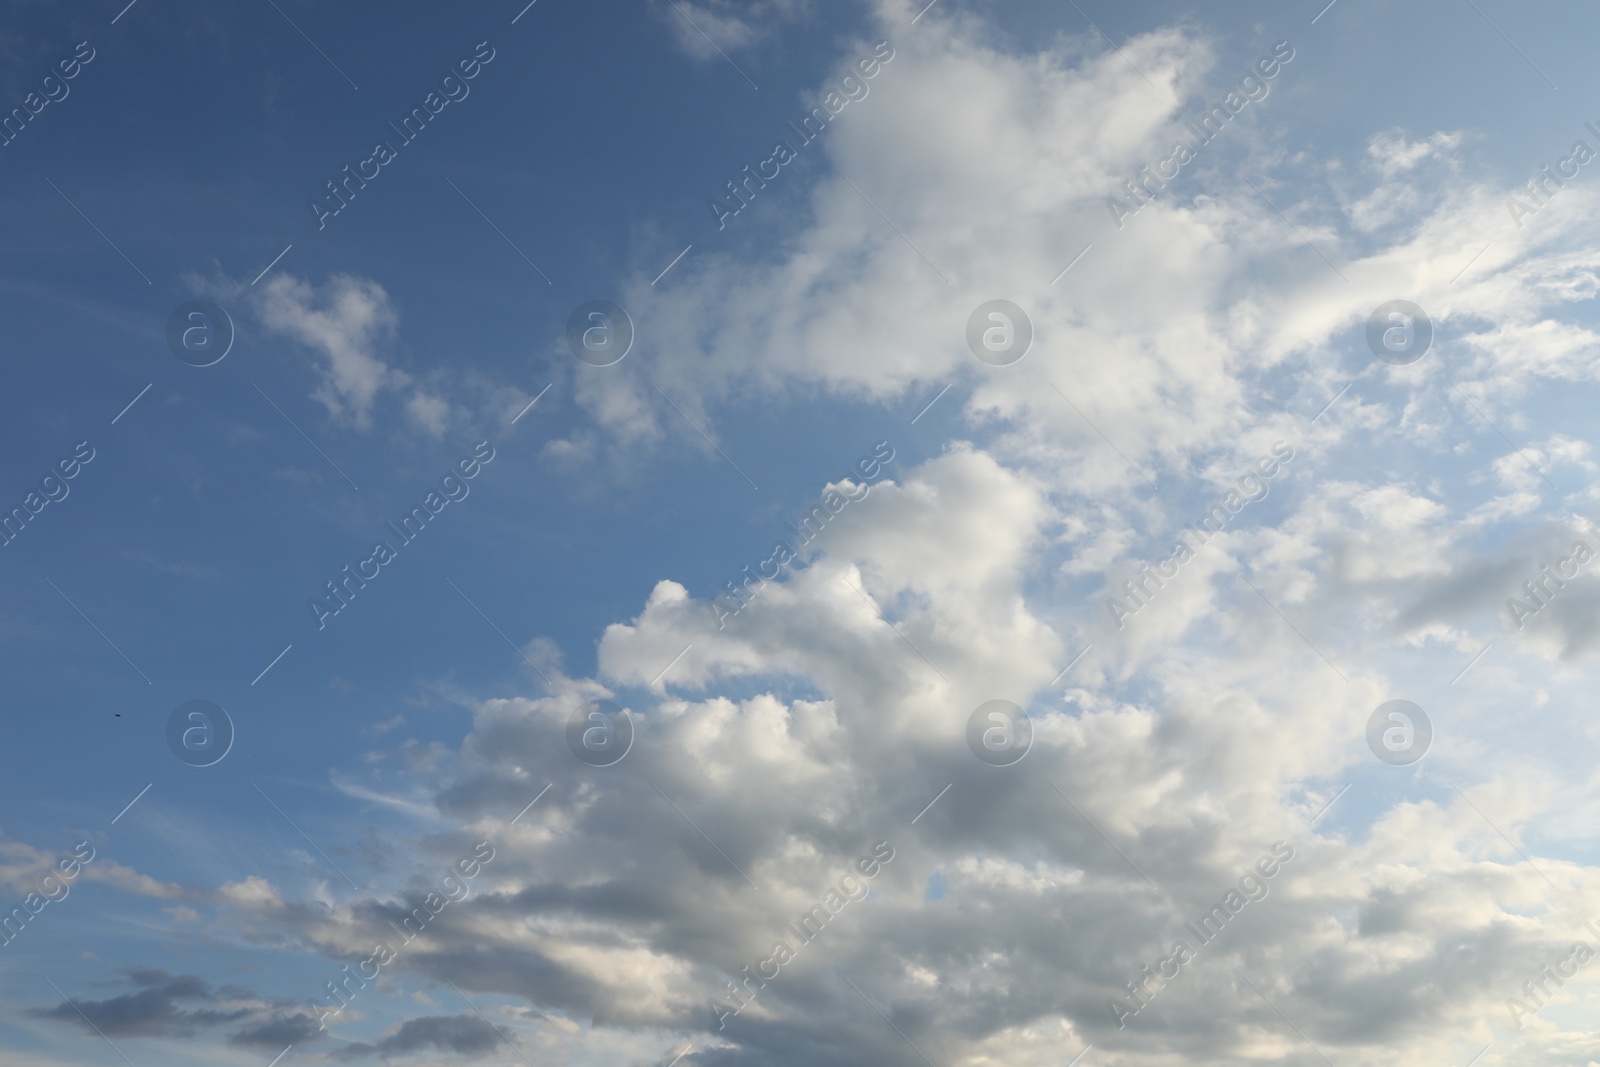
830, 714
832, 708
1057, 880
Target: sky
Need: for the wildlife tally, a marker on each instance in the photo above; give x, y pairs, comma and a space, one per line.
798, 532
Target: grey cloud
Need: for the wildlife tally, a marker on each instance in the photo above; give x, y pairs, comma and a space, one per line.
279, 1031
467, 1035
158, 1009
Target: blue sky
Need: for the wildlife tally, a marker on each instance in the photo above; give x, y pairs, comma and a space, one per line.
771, 354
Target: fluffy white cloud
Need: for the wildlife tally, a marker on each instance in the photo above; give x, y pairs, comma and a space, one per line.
346, 324
1018, 904
353, 325
776, 747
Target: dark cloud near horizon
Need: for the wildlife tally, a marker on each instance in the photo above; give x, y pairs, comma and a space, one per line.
466, 1035
156, 1010
278, 1031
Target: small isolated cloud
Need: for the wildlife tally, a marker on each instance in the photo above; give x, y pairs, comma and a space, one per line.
1392, 152
347, 322
254, 892
703, 28
430, 412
